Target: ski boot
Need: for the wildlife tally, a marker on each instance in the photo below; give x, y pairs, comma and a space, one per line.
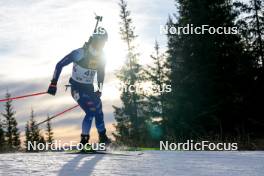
103, 138
85, 142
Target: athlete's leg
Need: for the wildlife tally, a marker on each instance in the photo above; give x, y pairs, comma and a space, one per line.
87, 124
99, 115
99, 122
86, 103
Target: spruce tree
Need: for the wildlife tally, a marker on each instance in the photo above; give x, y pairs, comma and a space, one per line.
206, 74
33, 132
129, 117
28, 135
49, 132
16, 135
257, 23
12, 134
252, 27
2, 137
156, 74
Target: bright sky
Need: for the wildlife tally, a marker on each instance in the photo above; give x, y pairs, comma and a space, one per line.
36, 34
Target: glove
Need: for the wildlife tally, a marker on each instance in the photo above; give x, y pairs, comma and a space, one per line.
52, 88
98, 93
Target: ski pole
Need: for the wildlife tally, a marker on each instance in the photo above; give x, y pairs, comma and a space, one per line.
23, 96
56, 115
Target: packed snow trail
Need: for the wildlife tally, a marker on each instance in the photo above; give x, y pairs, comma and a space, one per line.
150, 163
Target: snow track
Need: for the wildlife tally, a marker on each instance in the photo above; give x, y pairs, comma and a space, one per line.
150, 163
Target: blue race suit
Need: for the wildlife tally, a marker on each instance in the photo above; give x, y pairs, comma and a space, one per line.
86, 64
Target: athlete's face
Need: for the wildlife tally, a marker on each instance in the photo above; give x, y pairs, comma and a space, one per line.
98, 44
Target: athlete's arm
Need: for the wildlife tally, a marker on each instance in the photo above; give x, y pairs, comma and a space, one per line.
73, 56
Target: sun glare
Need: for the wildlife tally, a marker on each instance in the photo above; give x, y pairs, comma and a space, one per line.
114, 53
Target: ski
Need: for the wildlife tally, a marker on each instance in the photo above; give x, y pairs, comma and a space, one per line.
104, 153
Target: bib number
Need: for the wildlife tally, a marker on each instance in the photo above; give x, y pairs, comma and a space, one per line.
83, 75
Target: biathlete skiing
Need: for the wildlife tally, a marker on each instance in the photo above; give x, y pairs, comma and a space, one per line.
87, 62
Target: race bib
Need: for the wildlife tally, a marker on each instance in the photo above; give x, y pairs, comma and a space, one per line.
83, 75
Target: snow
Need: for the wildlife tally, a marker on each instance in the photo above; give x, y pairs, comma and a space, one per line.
247, 163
